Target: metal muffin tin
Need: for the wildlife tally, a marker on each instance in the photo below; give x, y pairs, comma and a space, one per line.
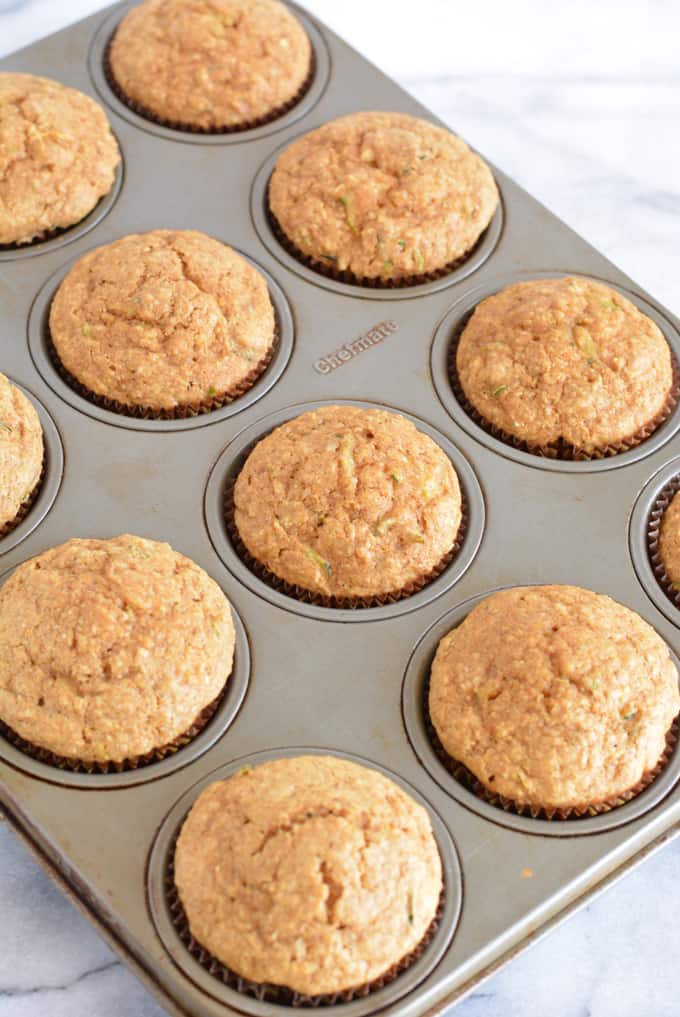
305, 676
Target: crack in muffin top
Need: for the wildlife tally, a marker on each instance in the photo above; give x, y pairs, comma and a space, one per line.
313, 872
210, 63
57, 156
110, 648
348, 502
162, 319
554, 696
21, 450
565, 359
382, 195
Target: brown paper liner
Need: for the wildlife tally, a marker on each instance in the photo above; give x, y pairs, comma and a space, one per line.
26, 505
560, 449
319, 599
123, 766
281, 994
178, 125
464, 776
663, 500
183, 412
368, 282
40, 238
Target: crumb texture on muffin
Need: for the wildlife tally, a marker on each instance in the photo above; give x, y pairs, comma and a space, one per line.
348, 502
565, 359
57, 156
669, 540
21, 450
110, 648
210, 64
163, 319
382, 195
313, 873
554, 696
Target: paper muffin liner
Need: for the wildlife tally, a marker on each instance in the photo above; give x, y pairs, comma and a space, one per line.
41, 237
369, 282
281, 994
133, 763
26, 505
464, 776
661, 503
178, 125
322, 600
208, 405
561, 449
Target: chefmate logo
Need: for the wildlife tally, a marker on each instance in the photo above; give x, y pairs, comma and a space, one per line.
347, 352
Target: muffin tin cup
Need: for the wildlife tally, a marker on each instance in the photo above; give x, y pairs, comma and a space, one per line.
39, 502
211, 724
559, 456
231, 549
461, 784
321, 274
661, 503
219, 407
645, 526
51, 240
257, 998
283, 116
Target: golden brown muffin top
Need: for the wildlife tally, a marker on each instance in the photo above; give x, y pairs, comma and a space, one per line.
210, 63
669, 541
162, 319
313, 872
110, 648
382, 195
566, 358
348, 502
554, 696
57, 156
21, 450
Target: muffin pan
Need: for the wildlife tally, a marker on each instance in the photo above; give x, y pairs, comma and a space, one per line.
307, 678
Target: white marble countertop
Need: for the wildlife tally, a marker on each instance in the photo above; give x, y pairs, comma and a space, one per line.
581, 104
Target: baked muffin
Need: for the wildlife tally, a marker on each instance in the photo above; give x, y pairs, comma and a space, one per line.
312, 873
382, 196
348, 503
166, 320
554, 697
565, 361
57, 156
21, 453
669, 542
210, 64
110, 649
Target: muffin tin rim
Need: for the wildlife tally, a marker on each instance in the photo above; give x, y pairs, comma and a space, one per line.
404, 983
481, 253
37, 324
69, 234
637, 538
50, 485
230, 461
104, 32
226, 714
417, 670
467, 302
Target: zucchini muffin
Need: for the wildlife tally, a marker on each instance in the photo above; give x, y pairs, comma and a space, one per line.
311, 873
210, 65
166, 321
348, 503
382, 196
110, 649
669, 542
554, 697
21, 454
565, 362
57, 156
